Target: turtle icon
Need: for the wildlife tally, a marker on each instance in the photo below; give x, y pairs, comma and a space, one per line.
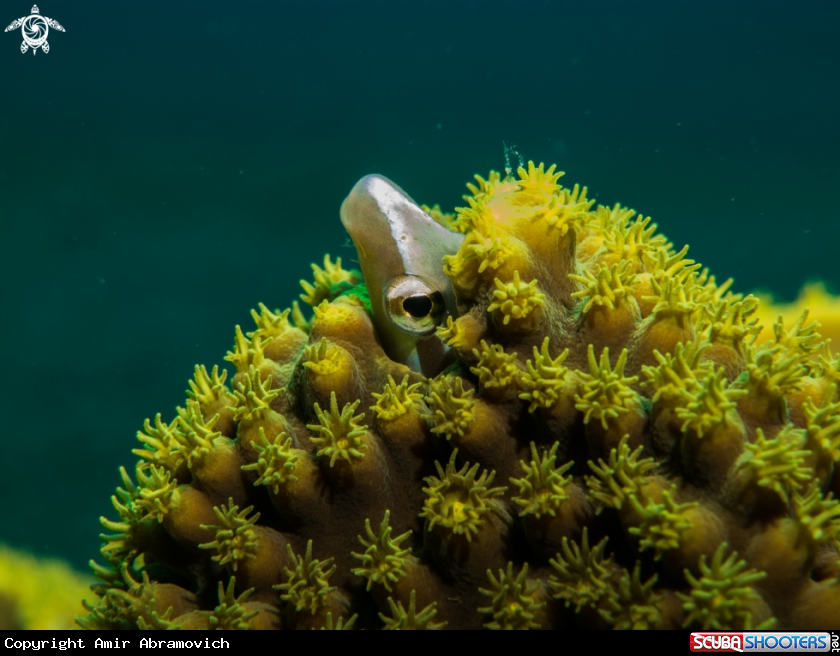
34, 29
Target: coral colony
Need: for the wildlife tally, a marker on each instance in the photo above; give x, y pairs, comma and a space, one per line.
612, 448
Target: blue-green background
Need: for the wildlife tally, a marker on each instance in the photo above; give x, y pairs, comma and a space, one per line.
168, 165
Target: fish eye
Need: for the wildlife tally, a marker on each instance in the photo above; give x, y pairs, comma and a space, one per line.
415, 306
418, 306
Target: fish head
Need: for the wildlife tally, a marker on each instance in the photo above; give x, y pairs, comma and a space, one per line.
401, 250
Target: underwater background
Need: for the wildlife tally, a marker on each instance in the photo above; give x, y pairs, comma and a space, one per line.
168, 165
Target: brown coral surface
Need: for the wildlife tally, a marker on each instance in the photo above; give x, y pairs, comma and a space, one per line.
613, 449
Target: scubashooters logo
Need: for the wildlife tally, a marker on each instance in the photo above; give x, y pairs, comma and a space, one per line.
764, 641
34, 29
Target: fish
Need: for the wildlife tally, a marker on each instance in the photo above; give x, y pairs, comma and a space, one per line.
400, 250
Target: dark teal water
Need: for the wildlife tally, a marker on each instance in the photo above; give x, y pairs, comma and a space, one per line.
167, 166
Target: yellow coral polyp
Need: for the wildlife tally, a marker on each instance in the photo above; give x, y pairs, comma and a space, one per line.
607, 287
515, 299
772, 372
236, 539
127, 534
732, 322
544, 378
253, 398
617, 481
307, 588
632, 242
818, 515
330, 282
801, 341
396, 400
270, 323
485, 187
605, 392
165, 444
480, 251
133, 600
663, 262
495, 368
154, 493
677, 375
565, 211
537, 179
674, 295
473, 217
712, 403
342, 437
230, 614
459, 268
208, 389
493, 251
452, 407
777, 463
662, 523
543, 488
723, 597
246, 353
598, 225
582, 576
611, 218
199, 438
515, 601
457, 500
451, 334
823, 425
340, 624
411, 620
323, 358
331, 314
712, 293
634, 605
276, 461
383, 562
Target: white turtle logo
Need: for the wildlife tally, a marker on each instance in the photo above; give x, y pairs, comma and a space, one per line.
35, 29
